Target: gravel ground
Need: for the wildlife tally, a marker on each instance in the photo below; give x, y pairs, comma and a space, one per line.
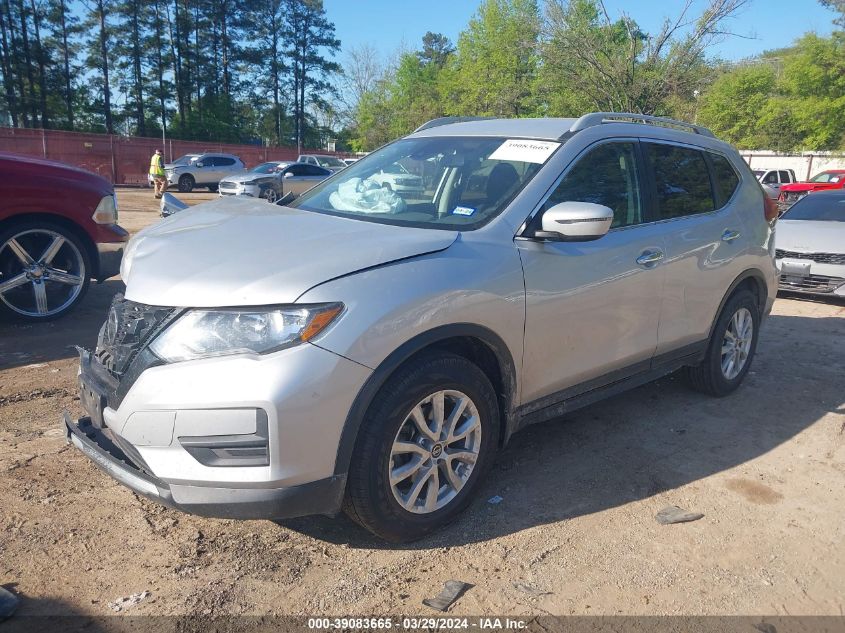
574, 533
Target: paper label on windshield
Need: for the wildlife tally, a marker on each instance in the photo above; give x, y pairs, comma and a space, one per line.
525, 151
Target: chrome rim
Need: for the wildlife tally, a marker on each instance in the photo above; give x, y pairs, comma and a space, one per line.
736, 345
270, 195
41, 273
435, 451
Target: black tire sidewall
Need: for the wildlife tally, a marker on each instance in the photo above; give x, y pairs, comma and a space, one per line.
714, 358
69, 235
186, 183
369, 472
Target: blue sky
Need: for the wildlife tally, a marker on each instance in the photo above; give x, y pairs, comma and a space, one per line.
390, 24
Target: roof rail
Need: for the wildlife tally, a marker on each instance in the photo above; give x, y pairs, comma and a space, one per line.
597, 118
446, 120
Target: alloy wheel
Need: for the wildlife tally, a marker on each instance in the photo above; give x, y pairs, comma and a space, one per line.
270, 195
736, 344
435, 451
41, 273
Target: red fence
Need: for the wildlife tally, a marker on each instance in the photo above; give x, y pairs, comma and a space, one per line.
124, 160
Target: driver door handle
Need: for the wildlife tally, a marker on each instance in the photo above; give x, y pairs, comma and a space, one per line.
729, 236
650, 258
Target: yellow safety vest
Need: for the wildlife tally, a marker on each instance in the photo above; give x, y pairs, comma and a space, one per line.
156, 168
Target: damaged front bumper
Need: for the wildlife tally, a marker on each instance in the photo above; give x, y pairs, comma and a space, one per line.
318, 497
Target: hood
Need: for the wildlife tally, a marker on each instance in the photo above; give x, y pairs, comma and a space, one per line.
242, 252
807, 236
246, 176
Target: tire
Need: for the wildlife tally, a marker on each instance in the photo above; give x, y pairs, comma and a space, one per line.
710, 376
186, 183
48, 287
212, 188
371, 500
270, 195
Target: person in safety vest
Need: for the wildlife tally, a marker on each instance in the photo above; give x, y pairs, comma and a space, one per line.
157, 173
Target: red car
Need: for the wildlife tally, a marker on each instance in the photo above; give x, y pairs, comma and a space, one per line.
830, 179
58, 230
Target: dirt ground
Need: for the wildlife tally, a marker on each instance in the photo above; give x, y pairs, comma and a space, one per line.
574, 533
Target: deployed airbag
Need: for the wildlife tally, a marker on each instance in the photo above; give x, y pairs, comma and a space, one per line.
365, 196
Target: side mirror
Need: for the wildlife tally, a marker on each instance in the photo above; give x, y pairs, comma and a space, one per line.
575, 222
288, 174
199, 164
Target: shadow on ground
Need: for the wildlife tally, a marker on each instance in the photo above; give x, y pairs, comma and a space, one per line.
645, 442
25, 343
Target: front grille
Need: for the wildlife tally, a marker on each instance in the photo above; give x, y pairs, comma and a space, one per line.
819, 258
811, 283
127, 329
225, 184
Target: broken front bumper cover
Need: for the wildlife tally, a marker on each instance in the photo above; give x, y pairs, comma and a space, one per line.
317, 497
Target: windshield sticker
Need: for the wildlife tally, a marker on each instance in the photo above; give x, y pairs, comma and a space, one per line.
525, 151
463, 211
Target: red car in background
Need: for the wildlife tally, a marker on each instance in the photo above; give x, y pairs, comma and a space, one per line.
830, 179
58, 230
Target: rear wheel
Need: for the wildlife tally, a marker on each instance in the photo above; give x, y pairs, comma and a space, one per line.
44, 271
424, 445
186, 183
731, 347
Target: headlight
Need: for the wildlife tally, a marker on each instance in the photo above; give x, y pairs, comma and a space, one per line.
106, 211
204, 333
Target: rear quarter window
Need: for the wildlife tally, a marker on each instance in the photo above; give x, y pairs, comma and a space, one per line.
725, 178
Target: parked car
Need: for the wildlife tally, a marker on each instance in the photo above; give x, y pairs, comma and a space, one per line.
58, 230
810, 245
830, 179
273, 180
397, 178
322, 160
773, 179
358, 350
349, 161
201, 170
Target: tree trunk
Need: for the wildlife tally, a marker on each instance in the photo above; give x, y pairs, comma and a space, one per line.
42, 79
101, 9
136, 62
66, 55
8, 78
177, 60
33, 113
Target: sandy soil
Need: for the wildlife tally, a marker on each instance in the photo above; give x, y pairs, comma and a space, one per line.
574, 534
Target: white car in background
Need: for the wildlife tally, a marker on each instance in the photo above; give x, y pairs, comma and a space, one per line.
397, 178
322, 160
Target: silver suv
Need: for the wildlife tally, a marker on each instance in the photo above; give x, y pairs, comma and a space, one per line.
365, 351
201, 170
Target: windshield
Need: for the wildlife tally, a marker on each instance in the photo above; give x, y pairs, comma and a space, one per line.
187, 159
266, 168
827, 176
818, 207
330, 161
441, 182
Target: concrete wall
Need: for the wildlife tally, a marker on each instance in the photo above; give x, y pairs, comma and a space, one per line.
805, 165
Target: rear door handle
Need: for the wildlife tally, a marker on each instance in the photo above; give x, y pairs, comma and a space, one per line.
650, 258
729, 236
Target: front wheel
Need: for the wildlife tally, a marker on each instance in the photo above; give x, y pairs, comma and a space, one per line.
731, 347
186, 183
424, 445
44, 271
270, 195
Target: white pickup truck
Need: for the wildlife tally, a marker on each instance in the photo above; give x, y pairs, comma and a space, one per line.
772, 179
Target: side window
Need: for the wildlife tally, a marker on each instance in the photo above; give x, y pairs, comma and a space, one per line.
221, 161
771, 178
724, 177
784, 176
298, 170
606, 175
681, 180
